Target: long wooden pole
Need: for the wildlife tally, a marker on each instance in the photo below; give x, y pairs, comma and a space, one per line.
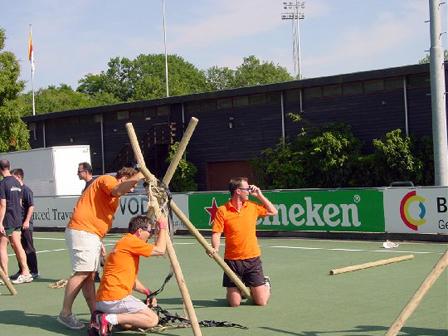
418, 296
370, 264
7, 282
170, 250
180, 150
237, 281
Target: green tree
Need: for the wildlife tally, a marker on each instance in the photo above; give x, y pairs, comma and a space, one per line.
426, 59
394, 159
183, 178
322, 157
251, 72
13, 132
219, 78
144, 78
61, 98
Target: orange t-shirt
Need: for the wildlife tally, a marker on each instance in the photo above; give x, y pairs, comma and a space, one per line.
239, 229
121, 268
96, 207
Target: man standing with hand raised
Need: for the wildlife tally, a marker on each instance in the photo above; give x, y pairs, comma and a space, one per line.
237, 219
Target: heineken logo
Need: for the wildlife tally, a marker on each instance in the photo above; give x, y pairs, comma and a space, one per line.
317, 214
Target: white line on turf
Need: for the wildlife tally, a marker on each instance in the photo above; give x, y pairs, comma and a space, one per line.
350, 250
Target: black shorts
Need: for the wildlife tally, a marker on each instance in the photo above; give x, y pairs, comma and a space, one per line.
250, 271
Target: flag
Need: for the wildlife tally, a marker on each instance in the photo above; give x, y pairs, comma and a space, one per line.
30, 50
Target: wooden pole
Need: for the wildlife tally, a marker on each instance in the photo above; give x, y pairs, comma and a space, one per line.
167, 179
237, 281
418, 296
170, 250
370, 264
7, 282
180, 151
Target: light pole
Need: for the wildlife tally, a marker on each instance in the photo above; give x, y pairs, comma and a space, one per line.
293, 12
166, 55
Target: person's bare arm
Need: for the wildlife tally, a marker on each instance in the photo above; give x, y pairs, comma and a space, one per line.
160, 245
2, 214
126, 186
216, 241
255, 191
29, 214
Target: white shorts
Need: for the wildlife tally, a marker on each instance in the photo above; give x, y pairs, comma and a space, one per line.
129, 304
85, 250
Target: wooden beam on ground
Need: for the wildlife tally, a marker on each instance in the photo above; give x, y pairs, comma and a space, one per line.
7, 282
370, 264
413, 303
150, 178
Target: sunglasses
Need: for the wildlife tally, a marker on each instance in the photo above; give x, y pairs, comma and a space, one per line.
149, 229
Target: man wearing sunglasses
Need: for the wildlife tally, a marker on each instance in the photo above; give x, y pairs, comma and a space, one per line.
115, 303
237, 219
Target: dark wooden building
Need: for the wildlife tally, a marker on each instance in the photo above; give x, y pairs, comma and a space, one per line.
235, 125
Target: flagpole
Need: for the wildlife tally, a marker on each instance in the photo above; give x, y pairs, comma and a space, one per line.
31, 59
32, 90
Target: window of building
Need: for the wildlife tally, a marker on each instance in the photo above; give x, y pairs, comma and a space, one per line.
149, 113
418, 81
332, 90
122, 115
225, 103
163, 111
240, 101
32, 127
349, 89
97, 118
257, 99
312, 92
292, 96
373, 85
273, 97
209, 105
193, 107
393, 83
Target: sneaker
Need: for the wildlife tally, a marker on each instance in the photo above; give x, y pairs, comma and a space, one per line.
35, 275
70, 321
104, 327
267, 282
15, 276
23, 279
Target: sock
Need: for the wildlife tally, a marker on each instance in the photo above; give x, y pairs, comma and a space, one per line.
112, 319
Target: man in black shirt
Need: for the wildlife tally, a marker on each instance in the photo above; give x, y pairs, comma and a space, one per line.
27, 226
11, 222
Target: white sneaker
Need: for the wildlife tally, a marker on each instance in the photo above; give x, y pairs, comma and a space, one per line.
23, 279
267, 283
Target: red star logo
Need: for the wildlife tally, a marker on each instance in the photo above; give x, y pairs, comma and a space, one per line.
212, 211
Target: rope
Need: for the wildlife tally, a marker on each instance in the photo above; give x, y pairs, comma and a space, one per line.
168, 320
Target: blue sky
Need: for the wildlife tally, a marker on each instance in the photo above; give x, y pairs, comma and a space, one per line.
74, 38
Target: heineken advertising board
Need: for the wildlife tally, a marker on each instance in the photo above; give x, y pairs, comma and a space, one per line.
328, 210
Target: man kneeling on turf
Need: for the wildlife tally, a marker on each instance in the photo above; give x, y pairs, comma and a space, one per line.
115, 304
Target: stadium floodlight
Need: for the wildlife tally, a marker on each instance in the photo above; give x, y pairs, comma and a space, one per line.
293, 13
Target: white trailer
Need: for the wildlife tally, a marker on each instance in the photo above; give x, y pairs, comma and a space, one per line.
51, 171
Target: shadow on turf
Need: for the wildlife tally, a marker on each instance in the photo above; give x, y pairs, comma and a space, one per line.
39, 321
363, 331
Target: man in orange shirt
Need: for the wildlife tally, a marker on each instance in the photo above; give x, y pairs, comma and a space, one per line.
91, 220
115, 304
237, 219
